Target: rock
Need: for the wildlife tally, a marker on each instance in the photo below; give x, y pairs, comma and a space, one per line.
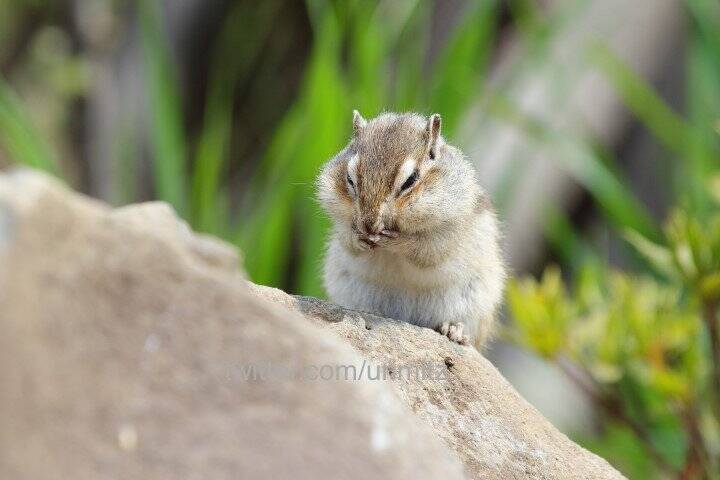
127, 349
456, 391
124, 350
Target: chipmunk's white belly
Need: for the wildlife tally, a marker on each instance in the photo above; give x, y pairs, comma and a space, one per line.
388, 284
393, 270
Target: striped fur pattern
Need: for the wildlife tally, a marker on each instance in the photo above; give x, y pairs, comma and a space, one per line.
415, 237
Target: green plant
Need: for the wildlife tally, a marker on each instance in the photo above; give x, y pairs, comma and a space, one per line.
644, 346
19, 137
645, 349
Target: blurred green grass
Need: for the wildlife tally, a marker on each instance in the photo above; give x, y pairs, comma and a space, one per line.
19, 137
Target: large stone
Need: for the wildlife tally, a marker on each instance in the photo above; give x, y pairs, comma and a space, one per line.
124, 338
495, 432
127, 340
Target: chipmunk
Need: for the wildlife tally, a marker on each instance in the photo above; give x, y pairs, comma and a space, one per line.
415, 237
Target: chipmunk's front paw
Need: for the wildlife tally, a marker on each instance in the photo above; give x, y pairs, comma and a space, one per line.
360, 246
454, 331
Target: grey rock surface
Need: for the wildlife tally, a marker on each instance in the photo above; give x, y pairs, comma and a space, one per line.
460, 394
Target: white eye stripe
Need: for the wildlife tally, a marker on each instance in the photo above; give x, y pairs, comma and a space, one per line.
351, 178
352, 168
404, 172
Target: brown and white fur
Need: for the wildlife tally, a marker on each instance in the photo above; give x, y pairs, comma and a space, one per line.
422, 249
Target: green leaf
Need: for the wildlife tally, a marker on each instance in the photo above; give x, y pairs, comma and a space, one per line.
658, 256
662, 121
167, 135
703, 105
618, 202
566, 241
461, 67
710, 286
231, 59
542, 313
266, 241
713, 188
368, 52
17, 135
407, 92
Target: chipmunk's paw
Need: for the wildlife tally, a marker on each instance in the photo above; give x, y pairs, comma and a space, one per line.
361, 245
454, 331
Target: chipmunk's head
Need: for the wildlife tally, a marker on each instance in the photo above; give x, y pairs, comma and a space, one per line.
396, 178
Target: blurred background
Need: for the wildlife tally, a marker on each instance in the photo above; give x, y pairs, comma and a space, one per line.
594, 124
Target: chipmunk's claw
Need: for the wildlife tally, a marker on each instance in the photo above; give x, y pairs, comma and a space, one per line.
368, 242
454, 331
362, 245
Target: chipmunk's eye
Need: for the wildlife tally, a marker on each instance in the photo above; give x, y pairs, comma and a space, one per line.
410, 181
350, 182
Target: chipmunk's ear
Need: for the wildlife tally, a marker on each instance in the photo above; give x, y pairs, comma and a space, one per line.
358, 123
432, 132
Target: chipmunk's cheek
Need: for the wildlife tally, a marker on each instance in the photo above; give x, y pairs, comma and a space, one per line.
342, 213
404, 208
